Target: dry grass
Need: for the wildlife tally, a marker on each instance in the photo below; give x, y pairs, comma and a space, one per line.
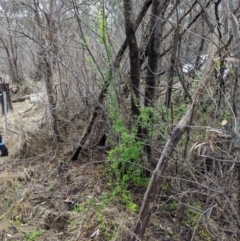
37, 179
37, 200
45, 197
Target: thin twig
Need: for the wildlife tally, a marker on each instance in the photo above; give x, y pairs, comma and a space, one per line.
199, 219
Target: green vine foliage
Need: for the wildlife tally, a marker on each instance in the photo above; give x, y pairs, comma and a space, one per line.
103, 39
146, 119
102, 26
126, 155
126, 167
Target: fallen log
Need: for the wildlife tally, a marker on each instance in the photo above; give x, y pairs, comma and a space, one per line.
21, 98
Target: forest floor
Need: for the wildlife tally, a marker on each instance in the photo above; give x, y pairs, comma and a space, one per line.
46, 197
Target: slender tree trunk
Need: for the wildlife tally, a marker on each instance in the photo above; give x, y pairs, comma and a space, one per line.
173, 61
13, 55
10, 62
153, 63
47, 69
133, 55
198, 64
236, 51
50, 94
219, 73
11, 48
153, 53
52, 31
124, 46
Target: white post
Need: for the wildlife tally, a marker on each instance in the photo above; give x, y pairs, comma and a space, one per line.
5, 112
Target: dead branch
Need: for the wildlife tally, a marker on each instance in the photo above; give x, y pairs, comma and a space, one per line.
21, 98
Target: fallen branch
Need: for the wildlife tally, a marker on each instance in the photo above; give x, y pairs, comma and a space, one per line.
21, 98
29, 108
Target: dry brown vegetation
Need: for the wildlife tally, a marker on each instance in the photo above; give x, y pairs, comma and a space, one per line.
126, 141
44, 196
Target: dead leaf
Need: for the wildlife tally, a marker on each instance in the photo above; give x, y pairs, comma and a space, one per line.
95, 233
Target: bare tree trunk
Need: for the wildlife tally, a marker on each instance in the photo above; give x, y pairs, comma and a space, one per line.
13, 55
153, 62
198, 64
52, 31
173, 61
10, 62
47, 69
124, 46
133, 55
236, 51
50, 94
219, 73
153, 53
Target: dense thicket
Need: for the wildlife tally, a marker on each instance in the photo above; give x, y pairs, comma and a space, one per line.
153, 81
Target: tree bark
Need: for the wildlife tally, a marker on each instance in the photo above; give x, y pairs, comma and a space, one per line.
153, 53
236, 51
47, 70
219, 73
152, 67
200, 49
12, 54
173, 61
124, 46
133, 55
